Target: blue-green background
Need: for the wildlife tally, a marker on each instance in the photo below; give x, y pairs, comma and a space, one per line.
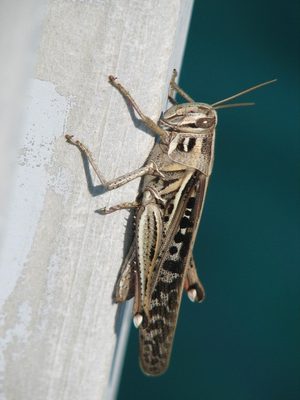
243, 342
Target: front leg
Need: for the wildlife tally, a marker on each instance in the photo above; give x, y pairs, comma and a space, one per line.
149, 169
171, 94
176, 88
147, 121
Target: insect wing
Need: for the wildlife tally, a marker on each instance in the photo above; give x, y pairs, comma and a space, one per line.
156, 336
125, 285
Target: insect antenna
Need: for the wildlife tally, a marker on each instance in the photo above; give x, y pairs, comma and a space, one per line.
230, 105
243, 92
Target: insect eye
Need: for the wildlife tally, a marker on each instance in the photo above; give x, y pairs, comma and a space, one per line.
204, 122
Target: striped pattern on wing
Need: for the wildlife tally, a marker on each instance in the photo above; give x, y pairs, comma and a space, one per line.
156, 337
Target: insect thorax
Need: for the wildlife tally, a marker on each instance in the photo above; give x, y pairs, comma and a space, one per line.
191, 135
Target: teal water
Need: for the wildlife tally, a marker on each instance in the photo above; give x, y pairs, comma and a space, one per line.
243, 342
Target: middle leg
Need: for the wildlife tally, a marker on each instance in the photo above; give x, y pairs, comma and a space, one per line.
147, 121
149, 169
117, 207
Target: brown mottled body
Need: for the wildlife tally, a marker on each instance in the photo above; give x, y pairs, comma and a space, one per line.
159, 263
160, 259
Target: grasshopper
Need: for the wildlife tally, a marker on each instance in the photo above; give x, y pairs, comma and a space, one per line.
160, 264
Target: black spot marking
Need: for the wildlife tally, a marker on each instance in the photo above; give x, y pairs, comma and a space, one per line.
173, 250
179, 237
158, 310
155, 349
170, 208
158, 324
167, 287
180, 146
185, 223
166, 218
173, 299
185, 245
173, 266
158, 338
152, 252
188, 213
191, 202
191, 144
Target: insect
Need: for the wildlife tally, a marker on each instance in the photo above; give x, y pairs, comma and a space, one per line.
160, 264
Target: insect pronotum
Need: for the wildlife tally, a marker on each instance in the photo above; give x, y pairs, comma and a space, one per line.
168, 209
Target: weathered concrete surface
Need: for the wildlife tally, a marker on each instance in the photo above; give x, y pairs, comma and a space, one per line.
60, 337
